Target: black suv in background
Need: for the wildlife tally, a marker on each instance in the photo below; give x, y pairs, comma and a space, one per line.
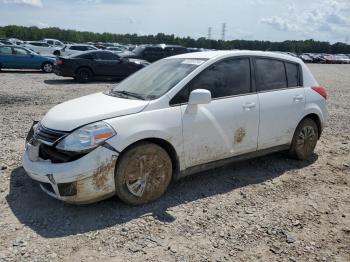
152, 53
84, 67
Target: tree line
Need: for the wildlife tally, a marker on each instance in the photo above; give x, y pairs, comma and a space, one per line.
305, 46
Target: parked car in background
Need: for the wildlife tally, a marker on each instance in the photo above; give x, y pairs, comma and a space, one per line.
42, 48
75, 49
152, 53
16, 57
306, 58
54, 42
116, 49
15, 41
84, 67
133, 140
5, 41
342, 59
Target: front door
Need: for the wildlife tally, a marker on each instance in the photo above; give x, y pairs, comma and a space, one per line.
227, 126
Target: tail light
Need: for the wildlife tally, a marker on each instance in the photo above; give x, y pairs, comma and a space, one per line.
321, 90
59, 61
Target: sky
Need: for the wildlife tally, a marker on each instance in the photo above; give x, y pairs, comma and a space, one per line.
273, 20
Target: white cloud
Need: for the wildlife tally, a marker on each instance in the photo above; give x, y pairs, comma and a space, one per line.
327, 16
280, 24
36, 3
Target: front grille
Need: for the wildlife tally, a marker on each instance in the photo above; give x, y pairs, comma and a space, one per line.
48, 152
48, 136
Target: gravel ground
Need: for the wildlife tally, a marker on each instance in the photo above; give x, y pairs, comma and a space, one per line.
267, 209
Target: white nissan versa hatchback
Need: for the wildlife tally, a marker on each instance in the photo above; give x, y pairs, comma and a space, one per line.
180, 115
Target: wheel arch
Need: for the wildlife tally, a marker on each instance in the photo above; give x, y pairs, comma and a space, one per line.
168, 147
317, 120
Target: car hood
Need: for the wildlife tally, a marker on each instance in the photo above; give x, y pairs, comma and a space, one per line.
87, 109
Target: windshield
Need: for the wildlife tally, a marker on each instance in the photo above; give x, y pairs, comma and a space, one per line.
158, 78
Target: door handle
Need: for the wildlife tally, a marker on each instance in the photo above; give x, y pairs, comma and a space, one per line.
249, 105
298, 98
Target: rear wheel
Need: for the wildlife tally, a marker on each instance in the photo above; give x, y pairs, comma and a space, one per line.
143, 173
47, 67
84, 75
304, 139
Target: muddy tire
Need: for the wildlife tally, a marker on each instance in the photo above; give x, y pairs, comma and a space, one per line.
143, 173
84, 75
304, 139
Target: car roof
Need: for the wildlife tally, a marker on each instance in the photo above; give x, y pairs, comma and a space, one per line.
227, 53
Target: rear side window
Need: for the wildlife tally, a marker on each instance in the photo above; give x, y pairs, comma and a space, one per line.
106, 56
78, 48
5, 50
85, 56
292, 74
225, 78
271, 74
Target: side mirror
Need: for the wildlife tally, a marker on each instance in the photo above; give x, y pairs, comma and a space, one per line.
199, 96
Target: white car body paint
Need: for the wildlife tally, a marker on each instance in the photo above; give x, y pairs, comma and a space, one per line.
42, 50
199, 134
69, 49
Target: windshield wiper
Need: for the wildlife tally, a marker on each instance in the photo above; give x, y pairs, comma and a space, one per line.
130, 94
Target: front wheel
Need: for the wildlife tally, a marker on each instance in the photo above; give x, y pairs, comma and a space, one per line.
47, 67
304, 139
143, 173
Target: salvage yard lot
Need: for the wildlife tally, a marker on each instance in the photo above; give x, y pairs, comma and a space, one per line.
267, 209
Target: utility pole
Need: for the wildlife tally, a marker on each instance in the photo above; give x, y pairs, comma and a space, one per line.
209, 33
223, 31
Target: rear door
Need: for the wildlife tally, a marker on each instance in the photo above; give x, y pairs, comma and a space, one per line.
282, 100
228, 125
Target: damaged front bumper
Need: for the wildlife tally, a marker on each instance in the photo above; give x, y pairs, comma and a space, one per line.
85, 180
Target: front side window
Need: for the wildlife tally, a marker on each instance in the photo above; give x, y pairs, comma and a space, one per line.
225, 78
271, 74
158, 78
20, 51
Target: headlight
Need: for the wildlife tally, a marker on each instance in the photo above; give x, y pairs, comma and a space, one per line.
86, 137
